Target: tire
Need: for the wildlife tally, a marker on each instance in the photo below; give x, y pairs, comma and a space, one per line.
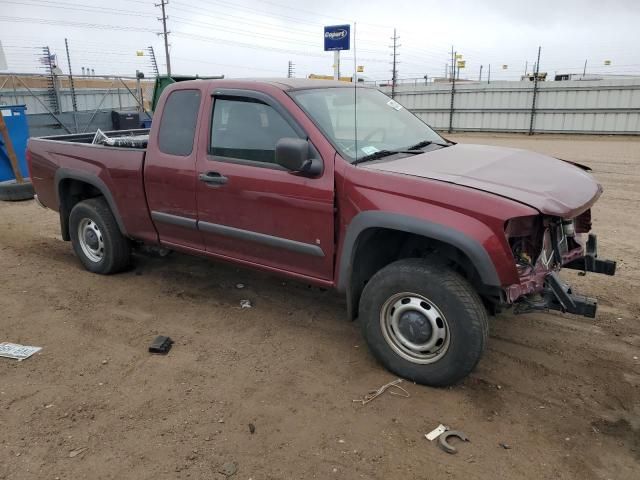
436, 310
102, 249
11, 191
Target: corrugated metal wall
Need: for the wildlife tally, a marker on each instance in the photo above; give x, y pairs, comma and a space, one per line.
87, 100
597, 107
104, 93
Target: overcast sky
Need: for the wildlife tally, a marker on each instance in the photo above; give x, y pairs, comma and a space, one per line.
242, 38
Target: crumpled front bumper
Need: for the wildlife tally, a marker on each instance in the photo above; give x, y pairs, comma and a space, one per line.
544, 290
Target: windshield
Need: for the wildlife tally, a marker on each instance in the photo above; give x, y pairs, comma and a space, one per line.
383, 124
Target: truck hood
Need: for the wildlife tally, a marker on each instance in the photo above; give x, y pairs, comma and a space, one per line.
552, 186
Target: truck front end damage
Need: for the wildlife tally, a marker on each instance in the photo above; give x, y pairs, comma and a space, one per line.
541, 246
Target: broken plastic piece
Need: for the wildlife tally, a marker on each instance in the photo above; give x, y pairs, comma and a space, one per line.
436, 432
161, 345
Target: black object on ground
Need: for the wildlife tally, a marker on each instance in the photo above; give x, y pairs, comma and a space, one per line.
444, 444
161, 345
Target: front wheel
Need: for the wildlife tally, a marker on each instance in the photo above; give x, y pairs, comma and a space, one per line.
423, 322
96, 237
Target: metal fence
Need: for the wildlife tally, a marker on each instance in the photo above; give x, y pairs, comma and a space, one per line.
593, 107
56, 105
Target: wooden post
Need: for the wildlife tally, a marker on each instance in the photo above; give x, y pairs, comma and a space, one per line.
10, 151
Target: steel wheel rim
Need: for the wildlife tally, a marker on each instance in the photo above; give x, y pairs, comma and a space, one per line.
409, 312
91, 240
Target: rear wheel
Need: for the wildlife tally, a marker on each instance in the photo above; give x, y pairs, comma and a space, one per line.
424, 322
96, 237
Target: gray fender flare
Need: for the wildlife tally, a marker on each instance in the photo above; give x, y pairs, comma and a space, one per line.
393, 221
66, 174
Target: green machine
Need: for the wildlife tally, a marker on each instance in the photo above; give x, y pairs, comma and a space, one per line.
163, 81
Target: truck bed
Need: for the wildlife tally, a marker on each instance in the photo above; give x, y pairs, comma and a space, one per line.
115, 172
87, 138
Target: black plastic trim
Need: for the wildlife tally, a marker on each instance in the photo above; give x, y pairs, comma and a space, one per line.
65, 174
264, 239
558, 296
176, 220
590, 261
377, 219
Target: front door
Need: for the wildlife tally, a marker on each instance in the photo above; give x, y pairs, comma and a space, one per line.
251, 209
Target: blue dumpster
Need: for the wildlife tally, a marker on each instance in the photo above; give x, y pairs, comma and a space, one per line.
15, 116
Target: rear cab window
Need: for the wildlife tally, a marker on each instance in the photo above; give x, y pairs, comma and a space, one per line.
178, 123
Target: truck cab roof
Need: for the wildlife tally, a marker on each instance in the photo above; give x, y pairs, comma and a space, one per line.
285, 84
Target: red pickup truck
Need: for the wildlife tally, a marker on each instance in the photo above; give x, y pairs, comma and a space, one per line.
337, 187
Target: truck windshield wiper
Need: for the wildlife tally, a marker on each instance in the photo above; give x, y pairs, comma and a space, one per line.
425, 143
384, 153
419, 145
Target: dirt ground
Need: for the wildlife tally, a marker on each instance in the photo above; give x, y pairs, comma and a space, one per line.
562, 392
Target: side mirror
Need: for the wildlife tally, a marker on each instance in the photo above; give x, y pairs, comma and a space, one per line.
294, 155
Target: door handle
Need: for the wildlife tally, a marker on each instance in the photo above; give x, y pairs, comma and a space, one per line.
213, 178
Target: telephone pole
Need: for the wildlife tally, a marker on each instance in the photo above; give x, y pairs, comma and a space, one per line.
394, 63
165, 33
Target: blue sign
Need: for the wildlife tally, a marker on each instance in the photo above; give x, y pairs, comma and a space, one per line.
337, 37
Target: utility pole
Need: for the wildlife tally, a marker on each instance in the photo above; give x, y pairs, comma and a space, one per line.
480, 76
394, 70
489, 74
165, 33
72, 87
584, 71
291, 70
453, 63
453, 91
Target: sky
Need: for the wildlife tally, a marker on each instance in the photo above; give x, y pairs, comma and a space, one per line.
257, 38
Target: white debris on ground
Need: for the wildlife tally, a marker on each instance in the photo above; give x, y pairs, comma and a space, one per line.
16, 351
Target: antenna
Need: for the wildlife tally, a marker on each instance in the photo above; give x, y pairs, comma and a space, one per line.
355, 94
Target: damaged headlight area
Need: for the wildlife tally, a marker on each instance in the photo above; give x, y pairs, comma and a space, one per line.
541, 246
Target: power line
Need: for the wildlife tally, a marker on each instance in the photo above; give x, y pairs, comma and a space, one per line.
75, 6
67, 23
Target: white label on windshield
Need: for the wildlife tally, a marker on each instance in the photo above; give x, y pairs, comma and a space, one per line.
369, 150
395, 105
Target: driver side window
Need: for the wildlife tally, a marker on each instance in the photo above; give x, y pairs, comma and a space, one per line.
247, 129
